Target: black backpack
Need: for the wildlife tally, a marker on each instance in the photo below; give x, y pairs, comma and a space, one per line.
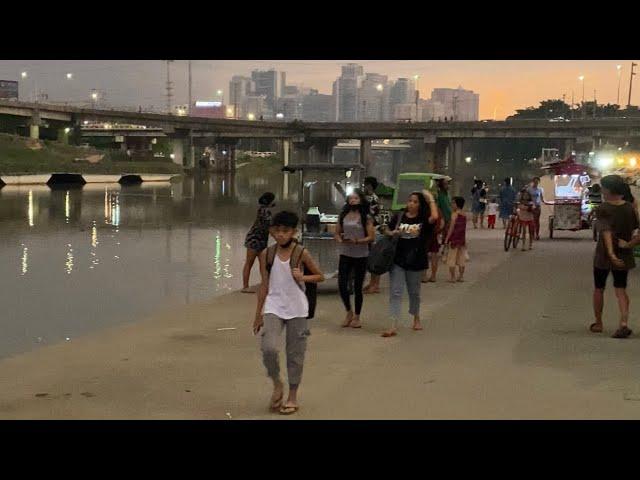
382, 255
310, 289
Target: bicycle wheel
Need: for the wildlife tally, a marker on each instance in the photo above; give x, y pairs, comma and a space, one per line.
507, 236
517, 233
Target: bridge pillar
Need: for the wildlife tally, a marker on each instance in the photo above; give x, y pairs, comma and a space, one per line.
435, 154
34, 125
178, 151
365, 155
63, 135
286, 151
455, 164
569, 146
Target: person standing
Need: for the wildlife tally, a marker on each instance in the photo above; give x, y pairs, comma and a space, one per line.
479, 203
457, 241
617, 221
413, 227
507, 197
283, 306
354, 233
537, 194
258, 237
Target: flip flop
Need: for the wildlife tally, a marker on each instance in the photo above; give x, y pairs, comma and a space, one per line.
595, 327
417, 329
355, 326
389, 334
289, 409
622, 332
277, 404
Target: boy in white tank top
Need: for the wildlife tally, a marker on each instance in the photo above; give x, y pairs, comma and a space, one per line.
283, 305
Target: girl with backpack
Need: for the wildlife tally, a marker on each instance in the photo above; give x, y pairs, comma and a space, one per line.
413, 227
354, 234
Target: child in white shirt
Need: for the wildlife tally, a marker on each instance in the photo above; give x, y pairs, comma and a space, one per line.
492, 213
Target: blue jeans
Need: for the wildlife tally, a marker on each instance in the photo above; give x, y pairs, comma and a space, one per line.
399, 277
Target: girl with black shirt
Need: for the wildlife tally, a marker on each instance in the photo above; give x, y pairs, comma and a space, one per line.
413, 227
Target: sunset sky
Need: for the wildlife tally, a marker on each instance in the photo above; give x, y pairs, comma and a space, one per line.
503, 85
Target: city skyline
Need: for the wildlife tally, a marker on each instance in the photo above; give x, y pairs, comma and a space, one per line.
503, 85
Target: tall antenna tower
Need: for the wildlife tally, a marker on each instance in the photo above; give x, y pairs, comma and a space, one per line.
169, 86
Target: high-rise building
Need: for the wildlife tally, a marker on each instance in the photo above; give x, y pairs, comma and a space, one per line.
289, 107
253, 107
317, 107
406, 111
402, 91
372, 101
239, 88
345, 90
267, 83
432, 111
459, 104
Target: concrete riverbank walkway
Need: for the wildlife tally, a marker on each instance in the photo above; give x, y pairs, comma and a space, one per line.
509, 343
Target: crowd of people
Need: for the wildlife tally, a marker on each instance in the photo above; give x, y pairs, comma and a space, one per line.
431, 228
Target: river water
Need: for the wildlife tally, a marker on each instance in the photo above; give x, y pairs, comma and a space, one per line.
74, 261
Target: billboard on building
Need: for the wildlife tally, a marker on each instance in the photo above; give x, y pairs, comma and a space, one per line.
8, 90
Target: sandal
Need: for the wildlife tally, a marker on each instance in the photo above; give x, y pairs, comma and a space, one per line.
348, 321
622, 332
288, 409
389, 334
595, 327
277, 403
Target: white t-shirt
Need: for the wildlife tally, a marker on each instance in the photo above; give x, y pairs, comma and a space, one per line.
492, 209
285, 299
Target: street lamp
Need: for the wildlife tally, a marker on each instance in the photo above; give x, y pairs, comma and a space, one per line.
69, 76
23, 74
619, 69
251, 116
417, 78
379, 87
581, 78
467, 159
94, 99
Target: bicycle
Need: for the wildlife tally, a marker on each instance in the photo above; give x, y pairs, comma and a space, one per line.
513, 232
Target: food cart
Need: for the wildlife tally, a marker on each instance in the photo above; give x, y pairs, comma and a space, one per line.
321, 189
571, 208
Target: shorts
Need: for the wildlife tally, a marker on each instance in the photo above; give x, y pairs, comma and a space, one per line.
456, 257
600, 278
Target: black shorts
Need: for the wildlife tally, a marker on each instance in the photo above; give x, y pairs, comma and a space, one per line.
619, 278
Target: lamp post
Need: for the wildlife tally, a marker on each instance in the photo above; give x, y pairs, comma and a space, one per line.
94, 99
417, 79
619, 69
584, 112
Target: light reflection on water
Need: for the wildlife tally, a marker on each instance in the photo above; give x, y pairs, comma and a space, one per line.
98, 256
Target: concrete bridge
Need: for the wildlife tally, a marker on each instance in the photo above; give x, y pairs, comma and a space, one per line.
314, 142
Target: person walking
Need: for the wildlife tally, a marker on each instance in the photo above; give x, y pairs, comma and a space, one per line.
456, 240
537, 194
354, 233
413, 228
479, 203
492, 213
283, 307
370, 186
525, 217
257, 237
443, 202
617, 221
507, 196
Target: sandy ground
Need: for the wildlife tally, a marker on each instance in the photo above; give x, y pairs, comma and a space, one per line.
510, 343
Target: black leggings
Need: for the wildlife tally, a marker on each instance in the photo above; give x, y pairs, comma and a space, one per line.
359, 268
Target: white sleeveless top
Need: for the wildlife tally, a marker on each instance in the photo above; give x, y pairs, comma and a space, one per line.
285, 299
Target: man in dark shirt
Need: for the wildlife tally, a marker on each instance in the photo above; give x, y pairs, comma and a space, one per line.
616, 221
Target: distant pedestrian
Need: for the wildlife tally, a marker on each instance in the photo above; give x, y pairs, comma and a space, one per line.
537, 194
478, 203
283, 307
354, 234
456, 241
370, 186
507, 196
492, 213
525, 217
258, 237
617, 220
413, 228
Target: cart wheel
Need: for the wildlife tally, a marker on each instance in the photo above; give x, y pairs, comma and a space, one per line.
507, 236
550, 227
517, 233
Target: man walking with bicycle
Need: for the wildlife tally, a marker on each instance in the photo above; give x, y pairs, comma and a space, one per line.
537, 195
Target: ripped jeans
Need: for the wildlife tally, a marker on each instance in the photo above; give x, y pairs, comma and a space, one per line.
297, 331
